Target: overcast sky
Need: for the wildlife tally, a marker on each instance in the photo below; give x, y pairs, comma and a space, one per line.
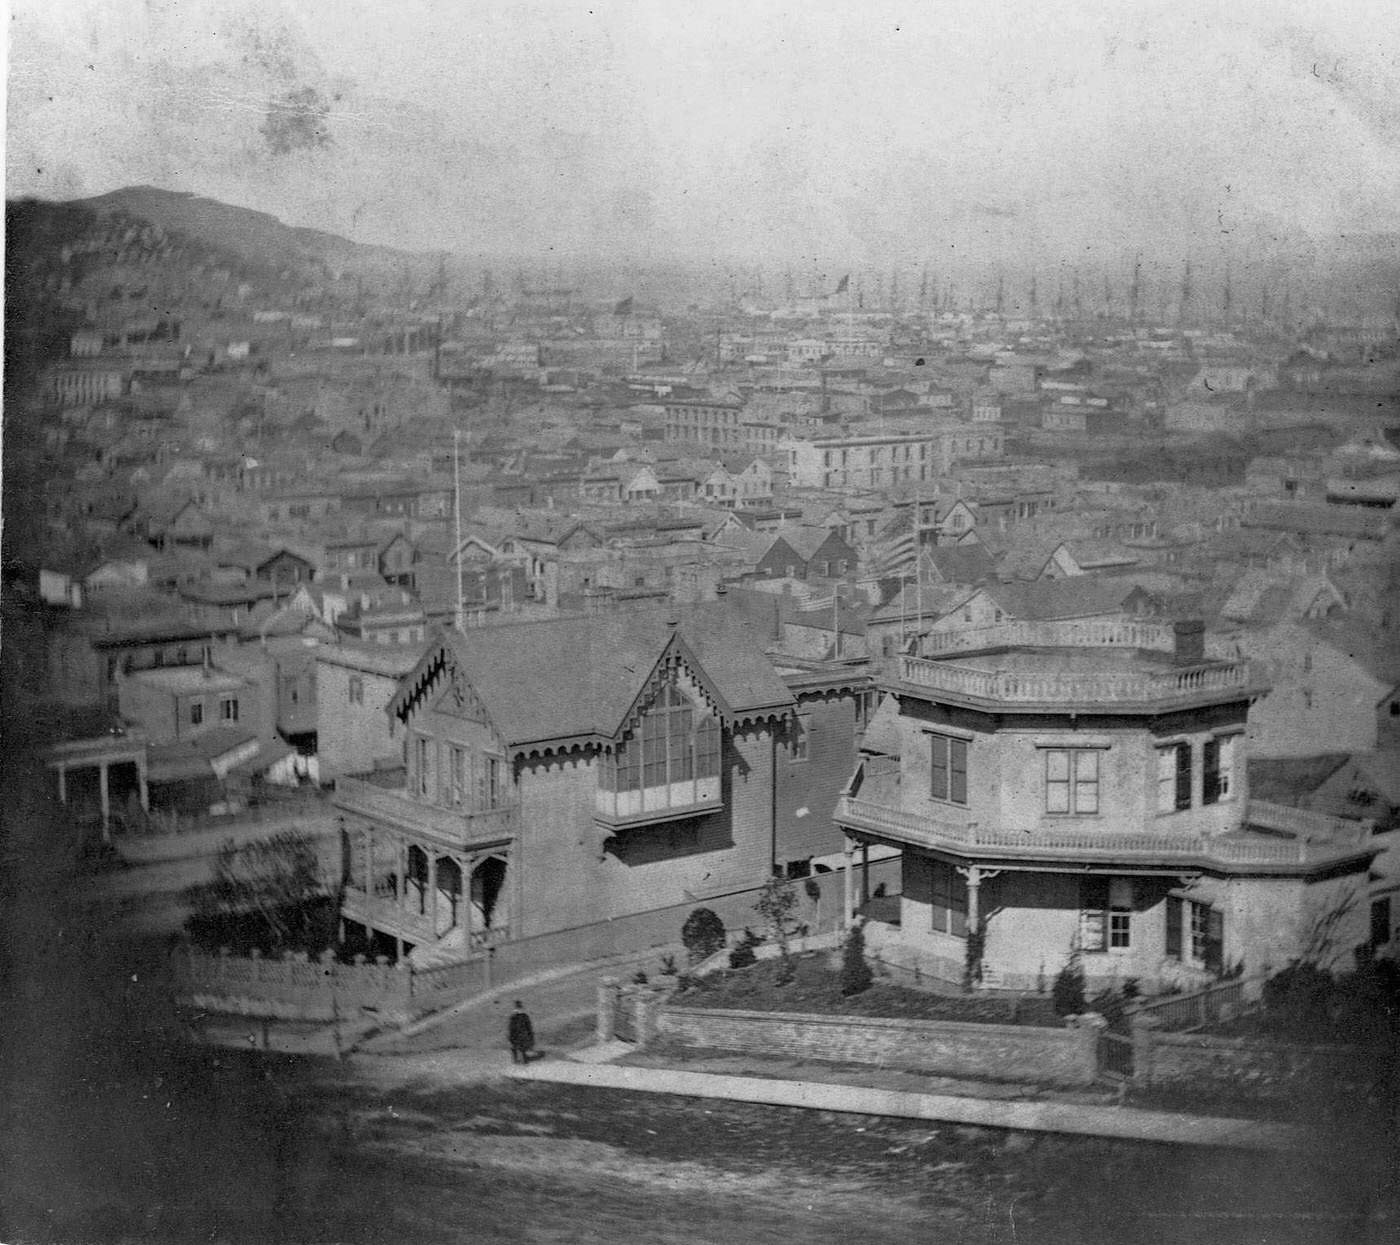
743, 128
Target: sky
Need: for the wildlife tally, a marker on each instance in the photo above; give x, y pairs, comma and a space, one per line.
649, 130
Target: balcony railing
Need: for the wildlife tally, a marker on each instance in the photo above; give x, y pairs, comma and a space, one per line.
394, 807
1065, 633
1092, 687
1098, 846
383, 911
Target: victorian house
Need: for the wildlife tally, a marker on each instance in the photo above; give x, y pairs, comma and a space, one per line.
561, 774
1078, 788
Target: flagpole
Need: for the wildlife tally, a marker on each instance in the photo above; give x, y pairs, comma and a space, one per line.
457, 519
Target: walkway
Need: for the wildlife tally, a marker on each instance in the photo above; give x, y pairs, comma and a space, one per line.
554, 998
1055, 1117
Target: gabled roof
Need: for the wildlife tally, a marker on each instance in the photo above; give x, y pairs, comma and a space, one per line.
1080, 596
578, 678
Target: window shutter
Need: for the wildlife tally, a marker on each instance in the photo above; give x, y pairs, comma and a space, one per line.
1215, 941
1183, 776
1174, 907
957, 757
939, 783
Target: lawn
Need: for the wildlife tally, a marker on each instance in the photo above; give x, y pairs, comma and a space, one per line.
816, 988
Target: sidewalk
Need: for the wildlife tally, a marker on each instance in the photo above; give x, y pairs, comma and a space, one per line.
1056, 1117
552, 996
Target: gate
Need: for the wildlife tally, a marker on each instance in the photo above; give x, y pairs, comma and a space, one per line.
625, 1029
1116, 1056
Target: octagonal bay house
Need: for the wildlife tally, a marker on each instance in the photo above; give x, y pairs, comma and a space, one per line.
1079, 788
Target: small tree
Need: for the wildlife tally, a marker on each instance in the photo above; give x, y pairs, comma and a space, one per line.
855, 970
1067, 994
742, 954
775, 905
702, 934
275, 882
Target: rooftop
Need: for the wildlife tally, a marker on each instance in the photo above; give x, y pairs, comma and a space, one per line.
184, 679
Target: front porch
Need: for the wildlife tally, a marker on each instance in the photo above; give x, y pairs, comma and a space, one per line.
435, 882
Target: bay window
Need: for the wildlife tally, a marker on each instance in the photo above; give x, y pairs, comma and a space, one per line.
670, 760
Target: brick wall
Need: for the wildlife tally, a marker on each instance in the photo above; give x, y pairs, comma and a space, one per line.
948, 1048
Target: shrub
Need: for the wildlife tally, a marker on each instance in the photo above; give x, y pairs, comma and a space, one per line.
855, 970
743, 954
668, 966
639, 978
1067, 994
702, 934
1297, 999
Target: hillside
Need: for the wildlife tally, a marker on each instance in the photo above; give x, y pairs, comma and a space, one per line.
253, 237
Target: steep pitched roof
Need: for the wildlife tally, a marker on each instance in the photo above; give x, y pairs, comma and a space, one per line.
578, 677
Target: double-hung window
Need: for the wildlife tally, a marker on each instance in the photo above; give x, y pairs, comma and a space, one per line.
1071, 781
420, 760
228, 708
1217, 768
948, 771
1195, 933
456, 776
1174, 777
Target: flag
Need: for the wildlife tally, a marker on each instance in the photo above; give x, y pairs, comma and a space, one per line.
843, 284
624, 308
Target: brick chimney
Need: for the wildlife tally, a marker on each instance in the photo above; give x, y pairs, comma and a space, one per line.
1189, 635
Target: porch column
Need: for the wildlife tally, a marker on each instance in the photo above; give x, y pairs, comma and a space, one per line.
402, 897
367, 855
106, 801
974, 887
432, 890
849, 887
864, 873
468, 868
62, 783
145, 794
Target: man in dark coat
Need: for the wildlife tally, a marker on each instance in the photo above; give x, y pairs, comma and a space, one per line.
522, 1034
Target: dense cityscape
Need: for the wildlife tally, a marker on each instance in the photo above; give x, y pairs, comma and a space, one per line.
821, 691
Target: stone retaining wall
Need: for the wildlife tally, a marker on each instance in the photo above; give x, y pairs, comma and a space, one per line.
1066, 1056
1268, 1069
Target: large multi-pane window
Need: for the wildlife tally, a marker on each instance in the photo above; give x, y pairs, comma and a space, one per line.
1217, 768
1173, 777
949, 899
671, 744
1071, 780
948, 770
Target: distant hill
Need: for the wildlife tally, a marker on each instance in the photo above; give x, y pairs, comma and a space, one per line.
254, 237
